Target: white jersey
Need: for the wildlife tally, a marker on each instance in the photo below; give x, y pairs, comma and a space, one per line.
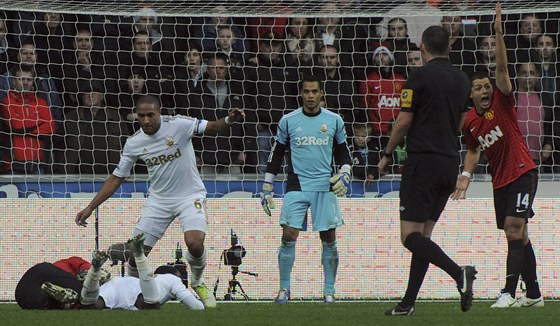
169, 156
122, 292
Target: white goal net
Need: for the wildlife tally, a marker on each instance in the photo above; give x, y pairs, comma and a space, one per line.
71, 71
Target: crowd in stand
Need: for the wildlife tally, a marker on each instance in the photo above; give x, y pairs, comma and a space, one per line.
68, 83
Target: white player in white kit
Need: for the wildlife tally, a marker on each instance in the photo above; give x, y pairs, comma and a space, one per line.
149, 291
164, 143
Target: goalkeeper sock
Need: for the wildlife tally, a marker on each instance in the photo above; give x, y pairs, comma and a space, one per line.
329, 259
286, 258
418, 269
90, 288
197, 268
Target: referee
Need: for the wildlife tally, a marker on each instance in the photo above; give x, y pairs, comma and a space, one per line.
434, 101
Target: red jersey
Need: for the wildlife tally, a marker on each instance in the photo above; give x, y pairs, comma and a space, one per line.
73, 265
382, 97
497, 133
32, 113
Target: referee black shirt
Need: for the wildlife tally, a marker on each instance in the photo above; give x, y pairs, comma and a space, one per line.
437, 94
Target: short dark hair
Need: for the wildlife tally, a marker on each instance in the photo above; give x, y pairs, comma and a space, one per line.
436, 40
148, 99
479, 74
310, 79
24, 68
218, 55
167, 269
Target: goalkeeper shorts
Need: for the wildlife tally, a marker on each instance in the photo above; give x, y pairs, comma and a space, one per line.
325, 212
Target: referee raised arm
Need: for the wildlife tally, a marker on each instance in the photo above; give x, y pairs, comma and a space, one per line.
433, 103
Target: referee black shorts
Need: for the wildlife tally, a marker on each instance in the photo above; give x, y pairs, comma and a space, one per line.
28, 290
427, 182
516, 198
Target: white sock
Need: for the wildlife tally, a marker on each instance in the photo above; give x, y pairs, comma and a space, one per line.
197, 268
189, 300
90, 288
148, 284
131, 271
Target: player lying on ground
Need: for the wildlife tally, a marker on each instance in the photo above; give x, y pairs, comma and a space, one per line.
54, 285
149, 291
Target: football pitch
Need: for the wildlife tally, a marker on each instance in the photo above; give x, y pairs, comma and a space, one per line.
294, 313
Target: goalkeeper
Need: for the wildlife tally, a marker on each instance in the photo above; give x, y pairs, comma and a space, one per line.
311, 136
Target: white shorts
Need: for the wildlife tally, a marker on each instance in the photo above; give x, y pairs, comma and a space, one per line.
157, 215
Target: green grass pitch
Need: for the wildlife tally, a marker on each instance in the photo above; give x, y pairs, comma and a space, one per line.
294, 313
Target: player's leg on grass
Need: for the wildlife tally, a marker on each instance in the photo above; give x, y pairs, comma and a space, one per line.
286, 259
533, 296
197, 258
90, 289
329, 260
418, 269
149, 287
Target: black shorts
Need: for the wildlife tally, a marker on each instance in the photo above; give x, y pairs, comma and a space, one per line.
28, 290
427, 182
516, 199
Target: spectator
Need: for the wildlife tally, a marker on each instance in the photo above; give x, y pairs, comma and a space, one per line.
424, 16
414, 60
159, 76
188, 77
131, 88
548, 70
94, 136
206, 35
49, 35
272, 83
222, 153
486, 56
398, 42
521, 46
382, 94
365, 154
462, 50
234, 48
259, 27
349, 39
340, 95
531, 114
300, 42
5, 45
44, 84
83, 64
28, 119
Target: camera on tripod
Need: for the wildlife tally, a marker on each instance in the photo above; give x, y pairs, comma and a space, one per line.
180, 264
233, 256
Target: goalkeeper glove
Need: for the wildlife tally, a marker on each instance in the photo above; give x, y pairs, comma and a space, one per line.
341, 181
266, 198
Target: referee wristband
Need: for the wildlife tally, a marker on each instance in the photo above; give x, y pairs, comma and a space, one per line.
467, 174
387, 154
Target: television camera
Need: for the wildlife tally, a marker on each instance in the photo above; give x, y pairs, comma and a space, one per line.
233, 256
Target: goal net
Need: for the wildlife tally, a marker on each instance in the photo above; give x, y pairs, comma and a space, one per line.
71, 71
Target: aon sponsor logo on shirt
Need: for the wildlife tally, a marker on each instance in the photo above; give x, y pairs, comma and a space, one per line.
310, 140
162, 159
389, 102
489, 139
